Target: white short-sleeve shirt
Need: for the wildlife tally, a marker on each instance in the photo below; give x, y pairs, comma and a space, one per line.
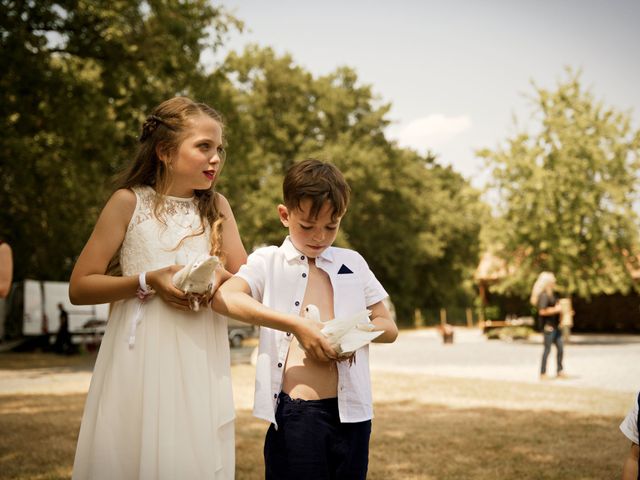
277, 277
629, 425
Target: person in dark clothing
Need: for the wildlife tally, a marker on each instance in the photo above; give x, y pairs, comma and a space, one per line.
63, 338
544, 298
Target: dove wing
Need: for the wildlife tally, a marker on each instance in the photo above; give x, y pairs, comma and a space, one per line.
356, 339
338, 327
201, 276
197, 275
180, 277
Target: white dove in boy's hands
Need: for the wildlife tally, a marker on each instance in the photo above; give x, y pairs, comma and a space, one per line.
347, 334
312, 312
365, 326
196, 278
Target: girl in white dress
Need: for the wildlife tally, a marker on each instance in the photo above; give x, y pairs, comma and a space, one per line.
160, 404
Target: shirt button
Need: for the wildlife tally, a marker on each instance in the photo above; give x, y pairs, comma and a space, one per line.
288, 334
297, 303
304, 275
279, 365
302, 257
275, 395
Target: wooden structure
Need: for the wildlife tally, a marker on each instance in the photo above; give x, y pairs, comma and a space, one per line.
614, 313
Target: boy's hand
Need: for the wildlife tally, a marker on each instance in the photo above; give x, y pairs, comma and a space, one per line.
313, 342
221, 276
349, 357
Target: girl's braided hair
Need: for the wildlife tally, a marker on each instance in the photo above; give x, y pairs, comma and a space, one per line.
150, 125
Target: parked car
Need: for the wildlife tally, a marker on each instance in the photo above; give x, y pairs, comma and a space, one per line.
91, 333
239, 331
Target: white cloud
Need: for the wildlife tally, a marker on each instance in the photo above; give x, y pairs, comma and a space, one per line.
432, 132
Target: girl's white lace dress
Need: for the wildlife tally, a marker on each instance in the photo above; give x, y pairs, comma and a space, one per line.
163, 407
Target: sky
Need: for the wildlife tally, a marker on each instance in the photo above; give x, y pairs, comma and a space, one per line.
457, 73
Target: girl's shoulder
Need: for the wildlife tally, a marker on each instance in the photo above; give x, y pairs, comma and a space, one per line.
223, 207
134, 197
123, 198
222, 203
120, 206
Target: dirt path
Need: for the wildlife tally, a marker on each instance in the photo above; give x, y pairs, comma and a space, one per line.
605, 363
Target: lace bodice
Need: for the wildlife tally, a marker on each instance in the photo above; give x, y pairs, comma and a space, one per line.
151, 243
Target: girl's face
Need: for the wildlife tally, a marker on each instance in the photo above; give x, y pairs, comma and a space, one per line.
196, 164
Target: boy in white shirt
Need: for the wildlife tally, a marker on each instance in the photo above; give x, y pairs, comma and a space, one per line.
320, 410
630, 426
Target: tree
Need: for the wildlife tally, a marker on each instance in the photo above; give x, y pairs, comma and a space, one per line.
415, 222
279, 114
566, 195
77, 79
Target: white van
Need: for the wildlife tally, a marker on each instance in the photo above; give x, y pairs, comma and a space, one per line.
34, 312
41, 315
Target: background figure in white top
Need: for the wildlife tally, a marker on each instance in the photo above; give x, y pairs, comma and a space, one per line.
320, 411
160, 404
630, 427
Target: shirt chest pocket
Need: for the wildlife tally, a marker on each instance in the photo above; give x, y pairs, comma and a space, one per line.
348, 290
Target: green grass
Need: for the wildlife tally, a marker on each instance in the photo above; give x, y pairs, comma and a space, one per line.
425, 428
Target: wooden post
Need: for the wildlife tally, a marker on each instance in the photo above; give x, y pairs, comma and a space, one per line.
418, 321
443, 316
469, 318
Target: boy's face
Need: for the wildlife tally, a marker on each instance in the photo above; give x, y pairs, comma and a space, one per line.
309, 235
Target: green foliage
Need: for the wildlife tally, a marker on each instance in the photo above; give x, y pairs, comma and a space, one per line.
566, 195
491, 312
79, 77
510, 333
415, 222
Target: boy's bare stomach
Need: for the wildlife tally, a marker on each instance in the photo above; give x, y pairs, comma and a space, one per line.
308, 379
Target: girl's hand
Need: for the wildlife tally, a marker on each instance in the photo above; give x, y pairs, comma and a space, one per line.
162, 282
313, 342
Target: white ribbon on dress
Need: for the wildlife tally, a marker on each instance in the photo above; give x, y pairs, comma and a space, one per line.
135, 320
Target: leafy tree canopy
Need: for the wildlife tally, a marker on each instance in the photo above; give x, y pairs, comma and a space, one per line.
566, 195
78, 77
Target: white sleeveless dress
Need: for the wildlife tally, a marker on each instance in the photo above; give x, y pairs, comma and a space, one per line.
162, 408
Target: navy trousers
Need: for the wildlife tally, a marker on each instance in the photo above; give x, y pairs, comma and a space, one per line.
311, 443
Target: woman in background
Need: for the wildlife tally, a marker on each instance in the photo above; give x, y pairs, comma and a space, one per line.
543, 296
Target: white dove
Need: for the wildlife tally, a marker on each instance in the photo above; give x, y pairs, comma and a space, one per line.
346, 335
196, 278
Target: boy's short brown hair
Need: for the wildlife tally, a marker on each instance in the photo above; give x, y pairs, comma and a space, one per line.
319, 182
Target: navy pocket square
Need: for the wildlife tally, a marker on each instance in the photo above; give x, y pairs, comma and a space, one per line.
344, 269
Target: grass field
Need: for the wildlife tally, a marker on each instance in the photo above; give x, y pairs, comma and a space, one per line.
425, 428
